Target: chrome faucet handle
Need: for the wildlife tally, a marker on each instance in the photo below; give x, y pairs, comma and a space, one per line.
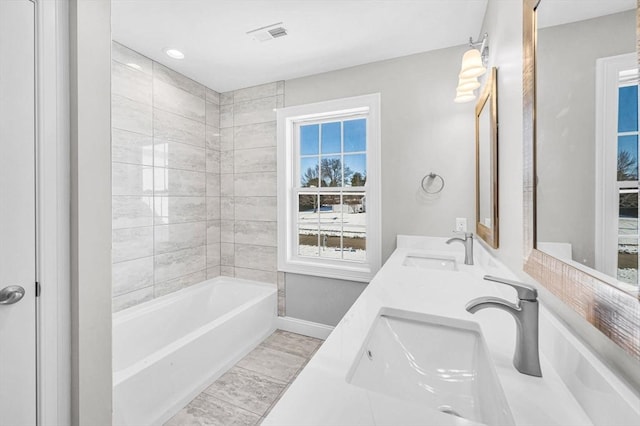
525, 292
466, 234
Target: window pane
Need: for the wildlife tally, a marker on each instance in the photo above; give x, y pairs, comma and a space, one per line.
355, 169
331, 135
628, 214
627, 158
331, 171
354, 227
308, 218
628, 260
330, 226
309, 139
355, 135
628, 109
309, 172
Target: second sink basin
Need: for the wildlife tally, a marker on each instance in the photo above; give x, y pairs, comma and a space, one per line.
436, 362
425, 261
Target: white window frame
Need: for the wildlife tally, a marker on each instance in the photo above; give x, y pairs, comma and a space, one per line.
288, 259
606, 208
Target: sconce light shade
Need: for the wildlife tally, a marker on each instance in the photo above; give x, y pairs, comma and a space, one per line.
468, 84
472, 64
462, 97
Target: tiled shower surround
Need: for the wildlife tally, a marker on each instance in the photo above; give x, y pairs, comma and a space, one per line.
194, 181
248, 165
165, 179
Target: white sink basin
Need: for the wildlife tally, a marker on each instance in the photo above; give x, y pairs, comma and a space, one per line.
424, 261
436, 362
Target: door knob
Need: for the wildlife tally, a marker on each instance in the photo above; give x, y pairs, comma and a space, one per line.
10, 295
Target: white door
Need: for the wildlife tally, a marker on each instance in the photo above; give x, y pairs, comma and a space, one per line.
17, 214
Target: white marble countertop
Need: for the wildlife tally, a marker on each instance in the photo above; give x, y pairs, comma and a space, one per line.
321, 394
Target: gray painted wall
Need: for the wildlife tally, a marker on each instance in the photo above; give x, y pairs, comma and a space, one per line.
318, 299
566, 93
423, 131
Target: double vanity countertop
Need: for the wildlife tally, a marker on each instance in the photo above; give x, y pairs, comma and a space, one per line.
323, 395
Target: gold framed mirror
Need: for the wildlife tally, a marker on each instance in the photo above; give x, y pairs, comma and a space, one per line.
487, 161
611, 306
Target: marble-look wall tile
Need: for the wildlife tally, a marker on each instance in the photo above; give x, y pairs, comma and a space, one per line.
213, 138
213, 184
256, 275
255, 135
131, 83
226, 116
255, 111
179, 263
174, 127
132, 148
255, 92
212, 112
179, 209
226, 98
131, 179
227, 255
130, 299
258, 233
282, 294
160, 201
213, 231
213, 255
169, 76
227, 231
131, 243
256, 208
255, 160
226, 161
255, 184
212, 161
280, 87
213, 271
227, 271
175, 182
227, 210
213, 208
131, 211
227, 185
226, 139
176, 155
170, 286
212, 96
255, 257
131, 115
168, 238
132, 275
172, 99
126, 56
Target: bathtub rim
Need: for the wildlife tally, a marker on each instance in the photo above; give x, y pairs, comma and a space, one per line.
157, 303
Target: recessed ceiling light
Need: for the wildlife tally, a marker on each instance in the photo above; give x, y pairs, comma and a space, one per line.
174, 53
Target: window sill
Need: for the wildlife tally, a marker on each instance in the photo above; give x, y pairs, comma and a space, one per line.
359, 273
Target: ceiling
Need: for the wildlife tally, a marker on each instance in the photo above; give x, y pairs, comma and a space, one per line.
322, 35
558, 12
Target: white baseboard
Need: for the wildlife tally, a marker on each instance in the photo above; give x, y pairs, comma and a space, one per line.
306, 328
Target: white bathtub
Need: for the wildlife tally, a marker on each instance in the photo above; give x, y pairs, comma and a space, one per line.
168, 350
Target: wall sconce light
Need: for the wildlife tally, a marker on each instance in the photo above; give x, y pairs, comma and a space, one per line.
474, 64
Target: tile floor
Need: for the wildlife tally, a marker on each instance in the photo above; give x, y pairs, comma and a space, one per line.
245, 394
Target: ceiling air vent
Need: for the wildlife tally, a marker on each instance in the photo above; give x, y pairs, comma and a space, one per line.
268, 33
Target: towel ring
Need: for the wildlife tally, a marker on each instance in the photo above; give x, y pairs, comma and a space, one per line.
428, 183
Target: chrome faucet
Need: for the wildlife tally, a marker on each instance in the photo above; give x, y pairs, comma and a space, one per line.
468, 246
526, 358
